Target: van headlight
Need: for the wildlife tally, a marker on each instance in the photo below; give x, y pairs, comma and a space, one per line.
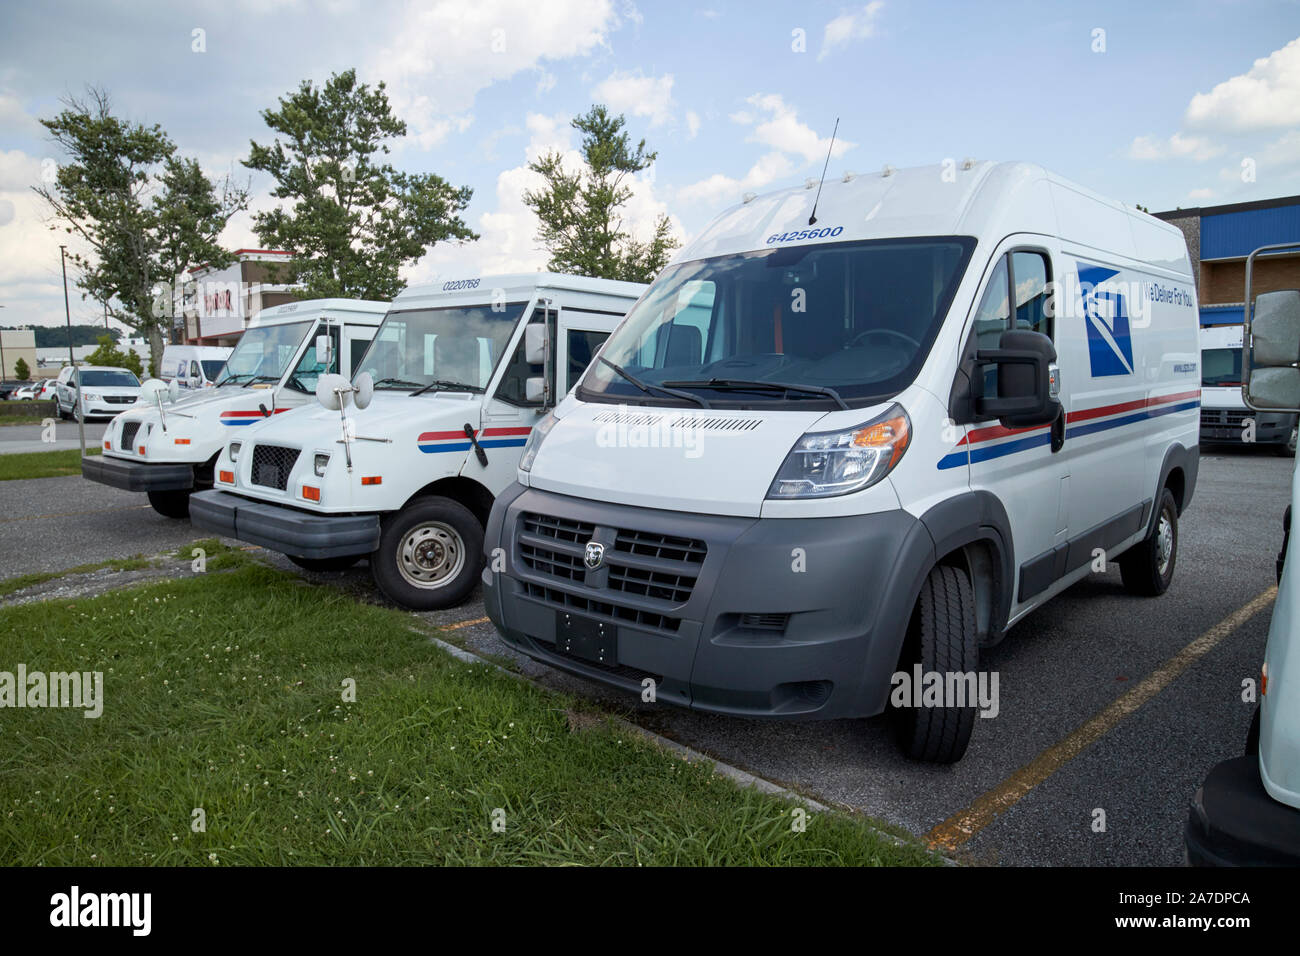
825, 464
535, 439
319, 464
234, 450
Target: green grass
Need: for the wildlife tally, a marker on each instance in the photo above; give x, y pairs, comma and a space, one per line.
222, 692
23, 419
22, 581
44, 464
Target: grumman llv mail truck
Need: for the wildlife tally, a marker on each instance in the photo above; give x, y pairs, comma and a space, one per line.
402, 465
829, 450
166, 446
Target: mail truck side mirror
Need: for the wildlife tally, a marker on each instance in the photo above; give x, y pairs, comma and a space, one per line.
1274, 381
323, 351
1028, 383
537, 351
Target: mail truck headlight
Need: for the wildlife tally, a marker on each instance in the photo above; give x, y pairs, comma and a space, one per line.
234, 450
535, 440
319, 464
825, 464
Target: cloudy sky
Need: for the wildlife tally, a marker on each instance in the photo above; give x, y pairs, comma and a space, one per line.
1163, 104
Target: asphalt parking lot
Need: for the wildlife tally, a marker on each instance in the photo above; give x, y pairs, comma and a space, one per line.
16, 439
1113, 707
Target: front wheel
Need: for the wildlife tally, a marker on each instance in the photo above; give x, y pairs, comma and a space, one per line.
1147, 568
429, 554
326, 564
941, 639
171, 504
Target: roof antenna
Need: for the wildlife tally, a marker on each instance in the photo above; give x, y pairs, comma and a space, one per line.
812, 219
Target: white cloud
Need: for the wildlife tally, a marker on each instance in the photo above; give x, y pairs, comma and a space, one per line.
850, 26
444, 53
692, 123
627, 92
1177, 146
545, 82
1265, 97
720, 188
781, 129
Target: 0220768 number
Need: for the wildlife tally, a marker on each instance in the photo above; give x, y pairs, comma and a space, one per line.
827, 233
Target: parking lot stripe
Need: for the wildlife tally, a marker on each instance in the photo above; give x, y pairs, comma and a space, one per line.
966, 823
459, 624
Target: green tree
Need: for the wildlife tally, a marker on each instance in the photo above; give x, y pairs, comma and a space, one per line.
21, 370
110, 355
353, 220
581, 210
144, 213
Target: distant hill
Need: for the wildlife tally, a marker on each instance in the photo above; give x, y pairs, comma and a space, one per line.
56, 336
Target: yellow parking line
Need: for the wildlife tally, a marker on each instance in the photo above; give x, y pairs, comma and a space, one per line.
966, 823
457, 626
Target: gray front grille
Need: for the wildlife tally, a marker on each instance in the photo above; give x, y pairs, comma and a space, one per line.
272, 464
128, 435
120, 399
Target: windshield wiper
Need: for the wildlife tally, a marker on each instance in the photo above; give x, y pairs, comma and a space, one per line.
743, 385
233, 379
444, 385
400, 382
650, 389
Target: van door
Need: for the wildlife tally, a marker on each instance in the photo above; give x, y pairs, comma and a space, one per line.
1024, 468
507, 416
356, 339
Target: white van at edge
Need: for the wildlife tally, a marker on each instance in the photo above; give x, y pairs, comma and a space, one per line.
444, 401
194, 366
167, 445
1224, 415
821, 452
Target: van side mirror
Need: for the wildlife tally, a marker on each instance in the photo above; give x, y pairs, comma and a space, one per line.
536, 344
1274, 382
1028, 382
324, 350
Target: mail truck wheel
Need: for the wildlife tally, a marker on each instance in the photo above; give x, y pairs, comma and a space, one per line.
326, 564
941, 639
1148, 566
171, 504
429, 555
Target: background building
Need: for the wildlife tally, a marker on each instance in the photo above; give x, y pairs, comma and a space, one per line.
17, 344
1220, 238
213, 306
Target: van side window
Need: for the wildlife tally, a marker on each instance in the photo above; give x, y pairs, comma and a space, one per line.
357, 350
310, 367
513, 387
583, 346
1030, 275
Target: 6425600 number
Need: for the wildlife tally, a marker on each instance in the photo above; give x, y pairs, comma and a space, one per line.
827, 233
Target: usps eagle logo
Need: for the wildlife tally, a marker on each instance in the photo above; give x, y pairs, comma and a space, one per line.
1105, 314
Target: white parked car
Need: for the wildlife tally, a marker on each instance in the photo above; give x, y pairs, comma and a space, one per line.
25, 392
105, 391
459, 372
47, 388
167, 448
833, 452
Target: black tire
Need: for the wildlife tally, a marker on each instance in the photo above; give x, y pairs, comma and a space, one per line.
326, 564
171, 504
63, 416
1287, 448
941, 638
1146, 568
1252, 736
434, 537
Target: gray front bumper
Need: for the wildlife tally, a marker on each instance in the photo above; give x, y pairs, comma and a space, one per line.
138, 475
835, 596
287, 530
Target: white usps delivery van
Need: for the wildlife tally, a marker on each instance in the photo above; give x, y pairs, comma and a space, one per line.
1224, 415
402, 464
193, 366
167, 445
839, 446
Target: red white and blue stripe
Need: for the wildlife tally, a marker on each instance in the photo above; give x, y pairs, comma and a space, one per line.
985, 444
246, 417
432, 443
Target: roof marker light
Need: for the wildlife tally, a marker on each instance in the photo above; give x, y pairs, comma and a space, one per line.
887, 171
748, 197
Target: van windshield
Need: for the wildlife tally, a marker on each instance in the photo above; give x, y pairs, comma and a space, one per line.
1221, 368
264, 353
450, 348
212, 368
857, 318
105, 378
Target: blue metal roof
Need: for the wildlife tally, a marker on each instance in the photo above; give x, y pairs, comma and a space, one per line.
1238, 234
1220, 314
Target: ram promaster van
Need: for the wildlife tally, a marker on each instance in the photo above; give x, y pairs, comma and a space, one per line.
402, 464
1224, 415
193, 366
1247, 812
831, 454
166, 447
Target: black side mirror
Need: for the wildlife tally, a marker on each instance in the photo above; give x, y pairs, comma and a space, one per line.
1027, 388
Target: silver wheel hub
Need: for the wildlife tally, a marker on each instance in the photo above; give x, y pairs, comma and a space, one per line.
430, 555
1164, 543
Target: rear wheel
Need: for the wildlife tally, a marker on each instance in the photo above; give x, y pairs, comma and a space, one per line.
171, 504
1287, 448
1147, 568
941, 639
429, 554
326, 564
